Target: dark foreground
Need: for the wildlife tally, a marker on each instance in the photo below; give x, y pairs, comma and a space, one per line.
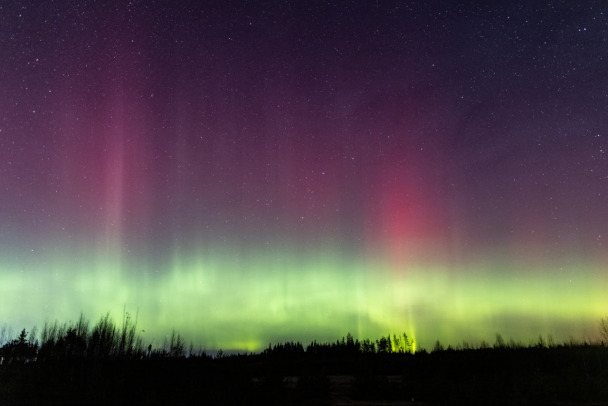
559, 375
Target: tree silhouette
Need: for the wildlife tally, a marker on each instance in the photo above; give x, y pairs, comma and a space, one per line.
604, 330
176, 345
19, 350
103, 343
437, 347
126, 344
385, 345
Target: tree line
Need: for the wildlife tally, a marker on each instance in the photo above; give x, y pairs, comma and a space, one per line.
77, 341
106, 340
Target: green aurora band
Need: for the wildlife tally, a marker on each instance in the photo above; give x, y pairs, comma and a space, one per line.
216, 299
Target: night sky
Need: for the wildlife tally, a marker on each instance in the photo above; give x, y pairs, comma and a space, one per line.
254, 172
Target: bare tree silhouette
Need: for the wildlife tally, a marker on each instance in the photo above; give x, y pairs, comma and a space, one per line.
604, 330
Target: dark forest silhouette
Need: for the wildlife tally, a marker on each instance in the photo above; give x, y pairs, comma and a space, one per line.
110, 364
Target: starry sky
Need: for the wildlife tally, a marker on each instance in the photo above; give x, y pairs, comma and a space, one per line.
254, 172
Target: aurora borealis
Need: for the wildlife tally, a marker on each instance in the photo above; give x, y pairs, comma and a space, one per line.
248, 173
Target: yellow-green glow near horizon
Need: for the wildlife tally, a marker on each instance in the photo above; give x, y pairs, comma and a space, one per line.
217, 301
